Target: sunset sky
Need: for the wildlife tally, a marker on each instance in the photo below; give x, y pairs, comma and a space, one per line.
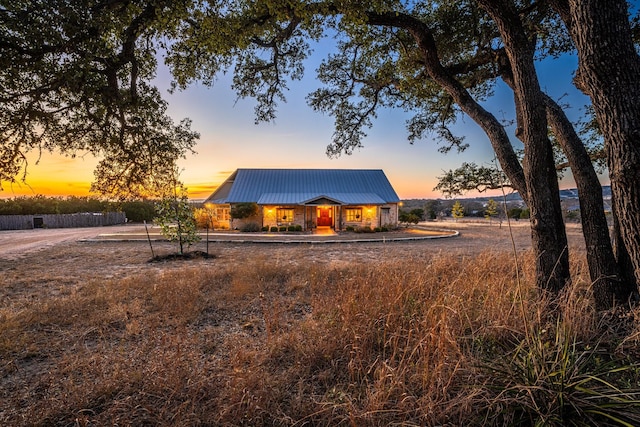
298, 139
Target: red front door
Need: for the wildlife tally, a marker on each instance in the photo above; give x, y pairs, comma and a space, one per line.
324, 217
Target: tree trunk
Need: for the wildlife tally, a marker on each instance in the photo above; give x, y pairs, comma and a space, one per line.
538, 184
609, 73
548, 234
609, 287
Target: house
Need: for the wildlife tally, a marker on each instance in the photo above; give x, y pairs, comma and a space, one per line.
307, 198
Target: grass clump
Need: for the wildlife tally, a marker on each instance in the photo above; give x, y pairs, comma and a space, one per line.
552, 378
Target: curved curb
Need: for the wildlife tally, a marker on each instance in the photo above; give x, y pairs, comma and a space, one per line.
310, 240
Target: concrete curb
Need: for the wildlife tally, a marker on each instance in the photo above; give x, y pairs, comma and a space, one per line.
266, 239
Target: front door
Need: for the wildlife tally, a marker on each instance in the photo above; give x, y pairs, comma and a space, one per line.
324, 217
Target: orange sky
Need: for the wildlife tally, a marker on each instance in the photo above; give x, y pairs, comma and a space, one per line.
59, 176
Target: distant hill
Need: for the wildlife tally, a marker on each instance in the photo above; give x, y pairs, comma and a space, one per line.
568, 196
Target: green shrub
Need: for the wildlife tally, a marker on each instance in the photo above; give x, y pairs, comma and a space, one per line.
350, 228
377, 229
244, 210
551, 378
291, 228
273, 229
298, 227
364, 229
265, 228
250, 227
283, 228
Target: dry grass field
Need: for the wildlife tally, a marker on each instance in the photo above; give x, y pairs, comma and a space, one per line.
433, 332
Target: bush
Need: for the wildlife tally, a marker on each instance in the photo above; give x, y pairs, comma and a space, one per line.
364, 229
283, 228
350, 228
551, 378
244, 210
250, 227
408, 218
273, 229
298, 227
377, 229
138, 211
265, 228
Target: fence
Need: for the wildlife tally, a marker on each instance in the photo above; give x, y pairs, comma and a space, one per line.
85, 219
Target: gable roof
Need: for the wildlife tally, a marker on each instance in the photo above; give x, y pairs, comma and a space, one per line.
306, 186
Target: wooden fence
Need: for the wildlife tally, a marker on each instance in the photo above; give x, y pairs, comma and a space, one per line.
85, 219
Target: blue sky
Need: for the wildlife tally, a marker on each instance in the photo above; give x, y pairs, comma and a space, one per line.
299, 136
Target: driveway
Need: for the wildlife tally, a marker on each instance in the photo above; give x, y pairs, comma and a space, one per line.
18, 243
15, 243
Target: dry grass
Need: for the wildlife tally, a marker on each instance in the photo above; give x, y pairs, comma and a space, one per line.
275, 340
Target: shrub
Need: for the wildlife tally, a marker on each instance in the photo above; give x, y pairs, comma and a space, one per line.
283, 228
364, 229
291, 228
138, 211
265, 228
350, 228
273, 229
250, 227
298, 227
551, 378
244, 210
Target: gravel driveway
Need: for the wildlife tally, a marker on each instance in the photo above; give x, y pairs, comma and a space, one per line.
16, 243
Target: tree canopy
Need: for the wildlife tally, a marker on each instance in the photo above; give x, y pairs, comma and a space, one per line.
76, 77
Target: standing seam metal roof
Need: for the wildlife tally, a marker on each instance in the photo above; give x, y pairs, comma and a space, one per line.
295, 186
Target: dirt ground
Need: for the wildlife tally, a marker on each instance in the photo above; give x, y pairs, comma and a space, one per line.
36, 263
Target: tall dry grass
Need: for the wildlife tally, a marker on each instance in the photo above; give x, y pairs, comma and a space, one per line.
436, 341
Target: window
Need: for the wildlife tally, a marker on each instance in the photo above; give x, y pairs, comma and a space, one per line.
222, 214
354, 215
284, 215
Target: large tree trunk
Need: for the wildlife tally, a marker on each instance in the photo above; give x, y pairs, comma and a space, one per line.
538, 185
609, 73
547, 225
609, 287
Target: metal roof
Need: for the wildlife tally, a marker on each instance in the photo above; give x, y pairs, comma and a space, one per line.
299, 186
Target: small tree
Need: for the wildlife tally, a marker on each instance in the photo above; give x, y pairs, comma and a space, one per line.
175, 218
491, 210
515, 213
432, 208
419, 213
408, 217
457, 210
244, 210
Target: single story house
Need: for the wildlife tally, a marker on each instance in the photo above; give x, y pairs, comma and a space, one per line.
310, 198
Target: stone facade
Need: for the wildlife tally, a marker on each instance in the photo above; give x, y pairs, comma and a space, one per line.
337, 217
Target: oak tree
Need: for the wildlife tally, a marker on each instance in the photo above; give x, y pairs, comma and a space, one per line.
75, 77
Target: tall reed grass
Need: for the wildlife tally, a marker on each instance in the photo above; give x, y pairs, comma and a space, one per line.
422, 341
